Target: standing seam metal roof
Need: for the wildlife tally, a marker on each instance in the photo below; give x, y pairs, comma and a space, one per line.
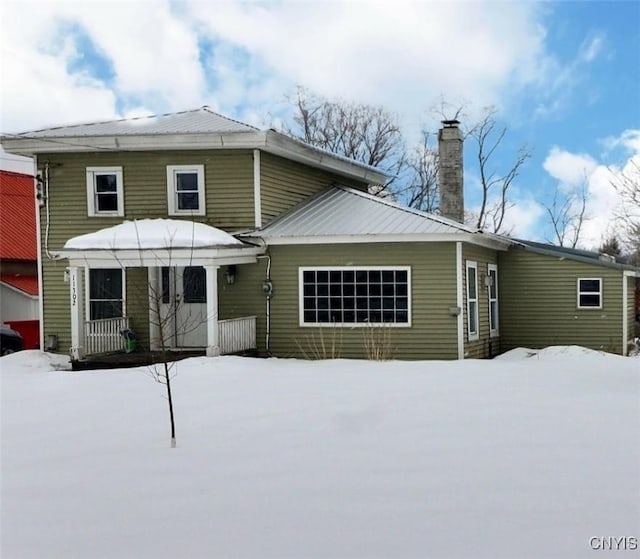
198, 121
344, 211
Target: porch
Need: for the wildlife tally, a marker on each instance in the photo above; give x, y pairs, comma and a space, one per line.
103, 336
171, 296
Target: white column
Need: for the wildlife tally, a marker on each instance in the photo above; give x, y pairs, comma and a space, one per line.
155, 297
213, 343
76, 297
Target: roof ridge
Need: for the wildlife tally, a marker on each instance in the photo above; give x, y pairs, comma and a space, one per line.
208, 109
427, 215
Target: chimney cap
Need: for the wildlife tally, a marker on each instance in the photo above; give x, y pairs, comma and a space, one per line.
451, 123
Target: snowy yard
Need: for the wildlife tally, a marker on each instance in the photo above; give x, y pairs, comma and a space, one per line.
516, 457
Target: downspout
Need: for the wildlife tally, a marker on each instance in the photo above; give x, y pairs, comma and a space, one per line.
267, 340
39, 261
459, 300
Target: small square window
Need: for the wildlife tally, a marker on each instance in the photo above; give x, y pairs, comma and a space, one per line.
590, 293
105, 192
185, 190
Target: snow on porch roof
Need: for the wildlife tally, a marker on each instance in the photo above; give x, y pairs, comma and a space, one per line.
154, 234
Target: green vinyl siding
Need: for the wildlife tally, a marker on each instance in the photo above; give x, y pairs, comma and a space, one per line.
538, 303
432, 334
284, 184
229, 204
485, 345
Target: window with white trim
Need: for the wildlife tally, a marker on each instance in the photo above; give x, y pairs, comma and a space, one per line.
354, 295
589, 293
185, 189
106, 293
105, 191
492, 287
473, 321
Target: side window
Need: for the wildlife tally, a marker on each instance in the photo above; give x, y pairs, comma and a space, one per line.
590, 293
492, 277
185, 189
472, 301
105, 191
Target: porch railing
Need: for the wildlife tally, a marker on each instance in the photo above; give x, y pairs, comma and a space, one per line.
103, 336
237, 334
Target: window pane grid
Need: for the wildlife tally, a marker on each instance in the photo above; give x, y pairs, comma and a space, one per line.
355, 296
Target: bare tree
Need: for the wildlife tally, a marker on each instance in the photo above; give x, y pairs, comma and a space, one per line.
627, 185
567, 214
421, 190
365, 133
488, 137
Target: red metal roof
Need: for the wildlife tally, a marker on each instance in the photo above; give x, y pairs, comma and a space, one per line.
28, 284
17, 217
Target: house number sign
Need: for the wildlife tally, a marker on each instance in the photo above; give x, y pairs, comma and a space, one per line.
74, 294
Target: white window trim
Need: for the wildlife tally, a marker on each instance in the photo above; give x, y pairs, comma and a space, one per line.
91, 173
304, 324
472, 336
172, 205
599, 293
495, 331
87, 294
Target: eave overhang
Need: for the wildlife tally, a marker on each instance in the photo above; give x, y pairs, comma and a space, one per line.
142, 258
480, 239
269, 141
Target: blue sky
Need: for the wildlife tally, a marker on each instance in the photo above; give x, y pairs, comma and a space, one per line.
564, 76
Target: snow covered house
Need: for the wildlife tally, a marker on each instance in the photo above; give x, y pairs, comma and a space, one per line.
208, 233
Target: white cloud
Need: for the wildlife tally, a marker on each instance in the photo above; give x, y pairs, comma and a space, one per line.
592, 47
401, 55
522, 219
602, 200
570, 169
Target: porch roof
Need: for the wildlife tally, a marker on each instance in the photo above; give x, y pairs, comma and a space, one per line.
157, 242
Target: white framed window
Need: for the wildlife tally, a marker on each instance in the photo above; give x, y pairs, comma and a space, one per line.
105, 191
473, 321
355, 296
105, 296
492, 288
589, 293
185, 189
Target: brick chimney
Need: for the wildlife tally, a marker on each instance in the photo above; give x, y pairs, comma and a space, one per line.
450, 177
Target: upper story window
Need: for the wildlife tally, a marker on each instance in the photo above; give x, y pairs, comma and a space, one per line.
590, 293
185, 189
472, 301
105, 193
352, 296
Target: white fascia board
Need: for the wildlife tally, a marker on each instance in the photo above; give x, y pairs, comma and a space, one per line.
279, 144
471, 238
269, 141
160, 257
632, 273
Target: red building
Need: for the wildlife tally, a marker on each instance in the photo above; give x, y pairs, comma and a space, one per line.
19, 304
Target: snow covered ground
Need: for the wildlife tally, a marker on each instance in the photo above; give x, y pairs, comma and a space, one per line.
523, 456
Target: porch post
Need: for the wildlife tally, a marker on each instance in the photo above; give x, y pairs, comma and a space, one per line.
213, 343
76, 294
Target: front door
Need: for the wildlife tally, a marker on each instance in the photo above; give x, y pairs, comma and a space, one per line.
185, 303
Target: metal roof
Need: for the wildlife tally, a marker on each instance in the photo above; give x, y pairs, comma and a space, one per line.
198, 121
344, 211
580, 255
18, 238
